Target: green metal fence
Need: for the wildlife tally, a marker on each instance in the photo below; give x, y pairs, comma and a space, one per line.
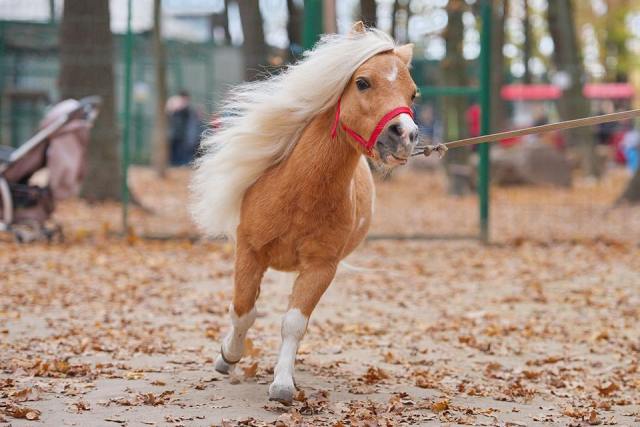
29, 64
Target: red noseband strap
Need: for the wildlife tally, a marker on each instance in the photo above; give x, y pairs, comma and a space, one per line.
368, 144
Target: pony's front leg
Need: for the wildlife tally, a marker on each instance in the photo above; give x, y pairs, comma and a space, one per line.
248, 275
311, 283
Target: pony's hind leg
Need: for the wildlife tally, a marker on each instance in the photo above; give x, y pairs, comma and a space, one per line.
248, 275
311, 283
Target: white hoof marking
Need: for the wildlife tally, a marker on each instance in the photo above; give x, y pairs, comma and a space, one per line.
294, 325
223, 367
233, 342
282, 393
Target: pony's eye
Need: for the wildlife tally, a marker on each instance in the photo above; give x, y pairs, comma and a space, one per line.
362, 84
415, 94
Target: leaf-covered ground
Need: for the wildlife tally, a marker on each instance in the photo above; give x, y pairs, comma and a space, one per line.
535, 329
411, 202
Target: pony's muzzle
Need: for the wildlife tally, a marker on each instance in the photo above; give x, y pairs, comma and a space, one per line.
396, 142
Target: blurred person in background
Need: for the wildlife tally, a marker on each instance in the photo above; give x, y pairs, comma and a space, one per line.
473, 119
630, 145
540, 117
185, 129
427, 124
606, 131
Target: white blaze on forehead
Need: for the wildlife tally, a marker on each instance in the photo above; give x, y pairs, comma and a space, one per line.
393, 74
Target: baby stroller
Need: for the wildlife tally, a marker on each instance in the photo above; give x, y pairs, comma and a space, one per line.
57, 152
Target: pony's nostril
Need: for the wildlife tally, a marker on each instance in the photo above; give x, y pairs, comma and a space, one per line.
396, 129
413, 136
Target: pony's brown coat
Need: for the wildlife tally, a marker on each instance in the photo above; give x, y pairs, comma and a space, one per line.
312, 209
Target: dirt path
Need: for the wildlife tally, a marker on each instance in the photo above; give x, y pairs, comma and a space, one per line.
106, 332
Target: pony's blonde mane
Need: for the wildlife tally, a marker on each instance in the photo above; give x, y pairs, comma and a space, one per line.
262, 121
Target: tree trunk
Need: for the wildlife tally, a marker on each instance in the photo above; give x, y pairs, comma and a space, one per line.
567, 58
408, 16
498, 113
294, 30
394, 17
400, 21
369, 12
86, 68
526, 49
160, 144
329, 21
225, 23
52, 11
631, 194
294, 24
454, 72
615, 42
220, 20
254, 47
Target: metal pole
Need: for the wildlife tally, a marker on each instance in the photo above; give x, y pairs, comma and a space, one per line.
52, 12
312, 27
2, 67
209, 83
128, 56
485, 123
138, 115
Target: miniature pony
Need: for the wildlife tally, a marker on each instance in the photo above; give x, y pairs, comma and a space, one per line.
286, 177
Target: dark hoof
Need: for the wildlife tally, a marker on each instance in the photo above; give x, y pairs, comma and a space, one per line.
282, 393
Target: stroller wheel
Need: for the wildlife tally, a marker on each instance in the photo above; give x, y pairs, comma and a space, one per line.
53, 233
27, 232
32, 231
24, 235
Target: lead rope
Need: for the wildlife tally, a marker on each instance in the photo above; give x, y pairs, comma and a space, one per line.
441, 149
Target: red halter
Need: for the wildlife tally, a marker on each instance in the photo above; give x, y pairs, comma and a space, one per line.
368, 144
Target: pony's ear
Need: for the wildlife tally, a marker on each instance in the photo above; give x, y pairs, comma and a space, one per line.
358, 28
405, 52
